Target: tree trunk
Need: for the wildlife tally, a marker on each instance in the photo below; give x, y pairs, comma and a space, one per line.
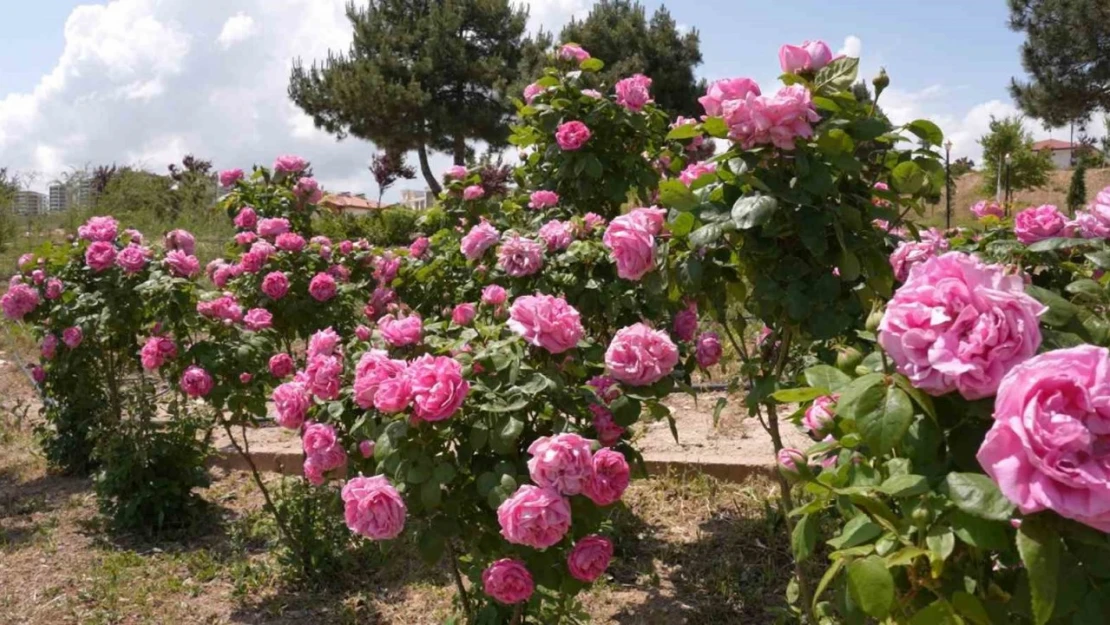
460, 150
426, 169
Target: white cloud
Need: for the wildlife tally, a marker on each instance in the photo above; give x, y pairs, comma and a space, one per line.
237, 28
553, 14
852, 46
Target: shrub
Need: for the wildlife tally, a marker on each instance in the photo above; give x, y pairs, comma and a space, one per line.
390, 226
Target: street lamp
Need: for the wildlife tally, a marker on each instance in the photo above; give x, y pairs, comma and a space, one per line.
1006, 195
947, 185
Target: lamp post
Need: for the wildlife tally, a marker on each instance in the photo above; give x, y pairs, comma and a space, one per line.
1006, 194
947, 185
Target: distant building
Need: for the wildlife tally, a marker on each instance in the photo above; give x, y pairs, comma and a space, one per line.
29, 203
58, 198
347, 204
1065, 155
417, 200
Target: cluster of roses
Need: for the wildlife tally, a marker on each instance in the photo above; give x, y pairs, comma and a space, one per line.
1046, 221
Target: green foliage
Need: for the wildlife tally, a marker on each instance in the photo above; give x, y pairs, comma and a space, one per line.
1027, 169
386, 227
1077, 190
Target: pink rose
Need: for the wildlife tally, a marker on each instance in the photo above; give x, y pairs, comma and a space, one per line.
438, 388
473, 192
156, 351
245, 378
418, 247
686, 322
38, 374
634, 92
557, 235
19, 301
323, 343
592, 93
589, 558
102, 229
291, 403
480, 238
463, 314
605, 387
100, 255
457, 172
494, 295
223, 308
229, 177
1039, 223
385, 268
275, 285
540, 200
1048, 449
609, 479
374, 368
366, 449
694, 171
258, 319
322, 448
394, 394
776, 120
608, 432
346, 247
631, 241
252, 262
535, 517
572, 135
1091, 226
182, 264
132, 259
911, 253
984, 208
546, 321
322, 375
322, 287
373, 508
363, 333
72, 337
508, 582
181, 240
519, 257
196, 382
959, 324
289, 164
789, 461
49, 347
280, 365
708, 350
640, 356
808, 57
245, 238
272, 227
53, 288
308, 190
289, 242
562, 463
531, 91
573, 51
725, 90
593, 221
818, 418
399, 332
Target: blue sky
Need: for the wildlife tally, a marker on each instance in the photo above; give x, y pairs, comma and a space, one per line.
144, 81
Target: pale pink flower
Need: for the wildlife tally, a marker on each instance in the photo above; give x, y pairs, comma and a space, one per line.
609, 478
457, 172
438, 388
98, 229
258, 319
634, 92
322, 287
480, 238
280, 365
275, 285
19, 301
694, 171
375, 367
535, 517
589, 558
562, 463
229, 177
508, 582
463, 314
291, 403
810, 56
790, 460
181, 240
546, 321
631, 241
725, 90
289, 164
540, 200
308, 190
182, 265
473, 192
323, 343
640, 356
271, 227
519, 257
818, 418
373, 508
494, 295
132, 258
557, 235
100, 255
1039, 223
573, 51
984, 208
399, 332
531, 91
156, 351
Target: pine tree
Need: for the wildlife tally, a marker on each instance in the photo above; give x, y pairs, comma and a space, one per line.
423, 75
1077, 192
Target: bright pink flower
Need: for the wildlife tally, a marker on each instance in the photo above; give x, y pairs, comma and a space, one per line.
519, 257
572, 135
593, 221
790, 460
363, 333
708, 350
725, 90
557, 235
346, 247
275, 285
322, 287
73, 336
100, 255
438, 388
457, 172
308, 190
818, 418
508, 582
38, 276
540, 200
224, 273
562, 463
290, 164
182, 265
132, 258
631, 241
911, 253
983, 208
53, 288
573, 51
418, 247
273, 226
494, 295
608, 432
399, 332
380, 301
473, 192
535, 517
385, 268
694, 171
366, 449
291, 403
546, 321
808, 57
777, 119
375, 367
1049, 448
463, 314
224, 308
289, 242
640, 356
322, 375
589, 558
258, 319
686, 322
229, 177
373, 508
634, 92
181, 240
99, 229
1039, 223
609, 479
605, 387
323, 452
196, 382
245, 378
280, 365
19, 301
38, 374
531, 91
252, 262
959, 324
480, 238
1091, 225
245, 238
394, 394
156, 351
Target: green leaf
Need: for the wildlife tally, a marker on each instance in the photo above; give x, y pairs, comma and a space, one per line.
431, 545
936, 613
592, 65
1054, 243
1060, 310
1100, 259
838, 75
706, 235
716, 127
857, 531
444, 473
682, 224
883, 419
978, 496
981, 533
430, 494
827, 376
720, 405
905, 486
685, 131
941, 543
922, 400
626, 410
751, 211
419, 470
848, 265
504, 435
908, 177
826, 579
393, 434
971, 608
871, 586
674, 194
927, 131
1039, 547
797, 395
803, 539
851, 395
904, 556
